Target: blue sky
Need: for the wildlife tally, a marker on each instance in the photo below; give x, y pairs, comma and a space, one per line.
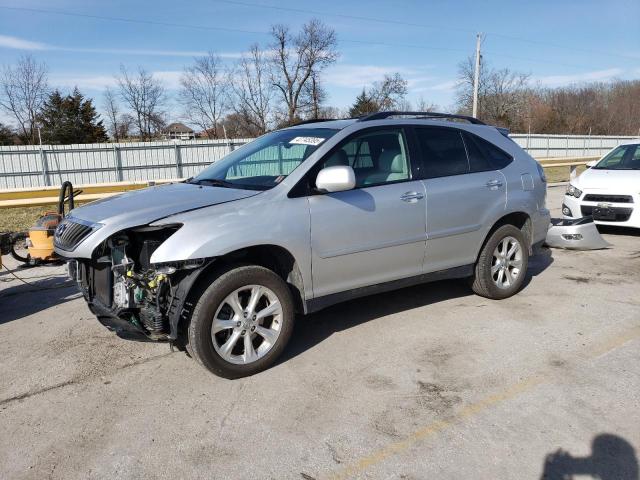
557, 42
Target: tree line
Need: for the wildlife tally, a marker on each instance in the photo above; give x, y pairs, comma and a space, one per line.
510, 99
281, 83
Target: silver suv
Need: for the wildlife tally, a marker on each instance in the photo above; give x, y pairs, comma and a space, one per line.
303, 218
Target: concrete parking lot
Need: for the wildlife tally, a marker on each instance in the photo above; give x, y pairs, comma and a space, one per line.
426, 382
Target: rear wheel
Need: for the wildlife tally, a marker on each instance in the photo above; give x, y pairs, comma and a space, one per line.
502, 264
242, 322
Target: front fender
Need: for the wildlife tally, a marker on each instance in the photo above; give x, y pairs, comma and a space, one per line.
216, 231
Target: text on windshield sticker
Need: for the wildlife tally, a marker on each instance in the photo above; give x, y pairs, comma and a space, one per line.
315, 141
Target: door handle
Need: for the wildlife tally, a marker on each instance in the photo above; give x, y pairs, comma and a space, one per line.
411, 197
493, 184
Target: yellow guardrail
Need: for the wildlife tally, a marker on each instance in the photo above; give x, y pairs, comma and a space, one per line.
39, 196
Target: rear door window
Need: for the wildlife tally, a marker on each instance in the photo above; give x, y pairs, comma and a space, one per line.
443, 152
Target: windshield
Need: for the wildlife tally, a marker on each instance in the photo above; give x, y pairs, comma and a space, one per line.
265, 162
625, 157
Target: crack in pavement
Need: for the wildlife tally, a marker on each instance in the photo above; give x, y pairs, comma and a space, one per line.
75, 380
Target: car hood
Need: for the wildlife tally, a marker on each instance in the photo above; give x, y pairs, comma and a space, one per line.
141, 207
622, 180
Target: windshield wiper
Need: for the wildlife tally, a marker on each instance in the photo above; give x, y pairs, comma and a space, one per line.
214, 182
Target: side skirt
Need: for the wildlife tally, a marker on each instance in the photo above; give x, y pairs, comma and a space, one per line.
316, 304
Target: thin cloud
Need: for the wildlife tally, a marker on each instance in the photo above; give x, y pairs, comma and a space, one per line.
169, 78
22, 44
447, 86
359, 76
593, 76
88, 82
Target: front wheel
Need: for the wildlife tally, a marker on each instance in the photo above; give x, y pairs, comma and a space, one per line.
502, 264
242, 322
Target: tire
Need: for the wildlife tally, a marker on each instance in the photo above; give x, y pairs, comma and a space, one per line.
16, 238
487, 280
242, 345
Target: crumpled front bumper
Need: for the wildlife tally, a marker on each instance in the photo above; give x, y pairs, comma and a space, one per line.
578, 234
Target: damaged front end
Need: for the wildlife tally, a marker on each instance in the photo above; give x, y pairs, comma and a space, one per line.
130, 295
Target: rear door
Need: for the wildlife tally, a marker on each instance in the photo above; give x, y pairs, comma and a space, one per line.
464, 194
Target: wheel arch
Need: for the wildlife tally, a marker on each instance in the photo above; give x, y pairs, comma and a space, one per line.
518, 219
274, 257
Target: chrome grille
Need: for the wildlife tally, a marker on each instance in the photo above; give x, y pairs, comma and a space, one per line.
70, 233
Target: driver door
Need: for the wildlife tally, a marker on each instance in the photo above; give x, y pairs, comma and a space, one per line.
376, 232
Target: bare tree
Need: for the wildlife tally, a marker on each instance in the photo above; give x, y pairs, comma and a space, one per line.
314, 95
502, 94
506, 93
112, 111
145, 96
423, 105
389, 93
205, 92
464, 87
297, 58
253, 91
24, 89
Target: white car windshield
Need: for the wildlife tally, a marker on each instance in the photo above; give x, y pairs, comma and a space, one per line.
265, 162
625, 157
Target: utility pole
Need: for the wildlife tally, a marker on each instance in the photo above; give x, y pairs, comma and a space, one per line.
476, 75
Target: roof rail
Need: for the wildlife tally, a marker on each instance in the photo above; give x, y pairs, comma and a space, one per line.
383, 115
313, 120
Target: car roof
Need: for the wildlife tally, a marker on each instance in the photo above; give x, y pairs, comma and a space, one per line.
395, 117
631, 142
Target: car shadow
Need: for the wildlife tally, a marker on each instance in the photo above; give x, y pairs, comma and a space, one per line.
612, 458
21, 300
317, 327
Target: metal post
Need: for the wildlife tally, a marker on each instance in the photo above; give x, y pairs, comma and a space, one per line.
45, 167
476, 76
43, 161
118, 160
566, 147
178, 160
548, 138
573, 171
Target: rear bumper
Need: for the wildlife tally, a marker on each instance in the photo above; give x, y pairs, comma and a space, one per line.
540, 221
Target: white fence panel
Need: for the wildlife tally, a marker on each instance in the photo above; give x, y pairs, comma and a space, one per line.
32, 165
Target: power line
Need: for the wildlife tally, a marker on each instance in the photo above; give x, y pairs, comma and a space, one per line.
255, 32
421, 25
341, 15
132, 20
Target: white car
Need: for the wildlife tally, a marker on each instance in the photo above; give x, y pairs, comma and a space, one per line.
609, 191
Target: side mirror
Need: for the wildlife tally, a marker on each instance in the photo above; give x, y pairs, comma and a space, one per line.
336, 179
592, 163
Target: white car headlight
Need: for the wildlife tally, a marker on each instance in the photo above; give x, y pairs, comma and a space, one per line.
574, 191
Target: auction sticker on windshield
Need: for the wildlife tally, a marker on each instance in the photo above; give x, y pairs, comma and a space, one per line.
315, 141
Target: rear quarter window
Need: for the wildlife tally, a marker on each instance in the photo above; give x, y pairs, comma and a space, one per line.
494, 157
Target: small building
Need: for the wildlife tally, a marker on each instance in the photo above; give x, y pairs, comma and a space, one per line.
178, 131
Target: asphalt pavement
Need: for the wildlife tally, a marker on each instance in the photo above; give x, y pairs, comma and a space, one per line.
426, 382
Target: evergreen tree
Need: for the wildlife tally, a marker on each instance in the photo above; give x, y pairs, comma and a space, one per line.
363, 105
70, 119
7, 135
